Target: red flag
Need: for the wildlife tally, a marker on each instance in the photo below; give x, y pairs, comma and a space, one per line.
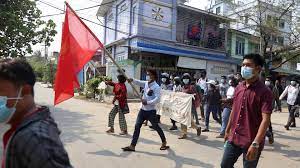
79, 44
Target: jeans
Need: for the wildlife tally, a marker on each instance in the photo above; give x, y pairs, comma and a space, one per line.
225, 119
233, 152
214, 109
146, 115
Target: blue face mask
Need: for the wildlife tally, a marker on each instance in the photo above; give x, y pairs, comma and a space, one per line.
5, 112
247, 72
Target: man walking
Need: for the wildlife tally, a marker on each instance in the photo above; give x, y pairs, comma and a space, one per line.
33, 138
292, 92
151, 97
250, 116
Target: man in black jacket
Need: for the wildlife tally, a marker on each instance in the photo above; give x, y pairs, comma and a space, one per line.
33, 140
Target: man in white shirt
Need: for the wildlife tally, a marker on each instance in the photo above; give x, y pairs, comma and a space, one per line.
292, 92
151, 97
204, 87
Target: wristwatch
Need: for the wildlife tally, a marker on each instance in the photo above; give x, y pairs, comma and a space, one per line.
255, 144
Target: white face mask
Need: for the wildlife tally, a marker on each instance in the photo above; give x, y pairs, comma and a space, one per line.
293, 83
164, 80
223, 81
186, 81
267, 83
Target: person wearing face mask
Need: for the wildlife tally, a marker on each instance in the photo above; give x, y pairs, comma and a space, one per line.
33, 138
268, 83
177, 84
227, 104
213, 101
190, 89
151, 97
203, 85
291, 92
279, 87
167, 85
250, 116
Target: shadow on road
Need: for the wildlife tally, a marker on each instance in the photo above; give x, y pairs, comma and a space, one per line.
73, 125
180, 161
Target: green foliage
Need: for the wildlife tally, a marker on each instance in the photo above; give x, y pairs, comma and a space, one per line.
44, 70
91, 85
21, 27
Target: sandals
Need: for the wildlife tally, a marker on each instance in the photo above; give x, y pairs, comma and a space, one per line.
128, 149
164, 147
110, 131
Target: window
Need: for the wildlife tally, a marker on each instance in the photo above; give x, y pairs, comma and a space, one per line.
269, 18
123, 7
246, 19
133, 14
218, 10
280, 40
240, 47
281, 24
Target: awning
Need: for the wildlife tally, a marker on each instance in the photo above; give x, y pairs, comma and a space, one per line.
287, 71
164, 49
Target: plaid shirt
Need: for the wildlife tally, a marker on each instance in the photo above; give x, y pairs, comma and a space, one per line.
36, 144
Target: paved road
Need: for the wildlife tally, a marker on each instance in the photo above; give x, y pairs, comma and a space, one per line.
84, 123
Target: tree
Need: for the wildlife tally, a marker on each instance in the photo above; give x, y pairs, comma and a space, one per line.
21, 27
264, 20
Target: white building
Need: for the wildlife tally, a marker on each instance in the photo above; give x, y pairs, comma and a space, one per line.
248, 14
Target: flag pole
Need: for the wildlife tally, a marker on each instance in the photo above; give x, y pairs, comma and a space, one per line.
106, 52
121, 71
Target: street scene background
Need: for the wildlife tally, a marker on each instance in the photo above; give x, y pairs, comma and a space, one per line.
83, 125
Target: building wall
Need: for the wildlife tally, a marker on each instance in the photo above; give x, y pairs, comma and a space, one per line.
158, 18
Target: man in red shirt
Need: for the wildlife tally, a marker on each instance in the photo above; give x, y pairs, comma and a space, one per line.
250, 116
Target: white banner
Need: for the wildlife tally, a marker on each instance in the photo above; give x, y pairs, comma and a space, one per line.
176, 105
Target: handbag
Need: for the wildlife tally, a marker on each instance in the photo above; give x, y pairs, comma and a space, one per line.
125, 110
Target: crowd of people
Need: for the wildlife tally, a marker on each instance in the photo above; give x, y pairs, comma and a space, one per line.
242, 104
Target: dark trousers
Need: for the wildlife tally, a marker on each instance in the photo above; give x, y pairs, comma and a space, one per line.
292, 111
173, 122
233, 152
146, 115
214, 109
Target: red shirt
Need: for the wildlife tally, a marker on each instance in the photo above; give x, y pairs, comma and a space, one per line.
120, 92
248, 105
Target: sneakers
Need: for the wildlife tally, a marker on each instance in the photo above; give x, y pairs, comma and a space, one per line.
220, 136
205, 130
174, 127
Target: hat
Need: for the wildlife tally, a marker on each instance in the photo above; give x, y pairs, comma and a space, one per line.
165, 75
186, 75
212, 82
177, 78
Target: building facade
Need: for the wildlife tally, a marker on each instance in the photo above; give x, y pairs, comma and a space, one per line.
166, 35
